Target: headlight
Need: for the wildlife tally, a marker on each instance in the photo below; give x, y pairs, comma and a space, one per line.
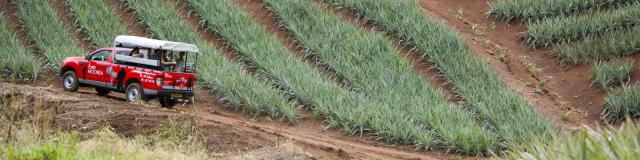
159, 81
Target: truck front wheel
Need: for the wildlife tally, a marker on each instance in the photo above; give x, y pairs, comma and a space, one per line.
135, 93
70, 81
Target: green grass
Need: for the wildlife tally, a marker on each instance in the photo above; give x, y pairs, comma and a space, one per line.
566, 29
237, 88
525, 10
606, 74
16, 60
482, 89
97, 20
352, 112
102, 144
603, 143
47, 31
373, 66
621, 102
610, 46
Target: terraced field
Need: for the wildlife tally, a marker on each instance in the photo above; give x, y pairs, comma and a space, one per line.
15, 59
97, 20
351, 111
47, 31
238, 88
346, 66
480, 86
589, 32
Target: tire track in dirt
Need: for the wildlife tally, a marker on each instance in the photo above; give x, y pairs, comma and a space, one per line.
312, 133
224, 129
354, 150
85, 111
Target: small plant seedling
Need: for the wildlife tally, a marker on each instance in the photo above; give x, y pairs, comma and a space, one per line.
504, 56
565, 115
460, 12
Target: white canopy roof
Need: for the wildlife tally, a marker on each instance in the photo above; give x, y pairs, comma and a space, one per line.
142, 42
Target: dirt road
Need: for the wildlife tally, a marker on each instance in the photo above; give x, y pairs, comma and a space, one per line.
226, 131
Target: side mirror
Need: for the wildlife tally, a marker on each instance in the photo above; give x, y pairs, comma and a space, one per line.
87, 57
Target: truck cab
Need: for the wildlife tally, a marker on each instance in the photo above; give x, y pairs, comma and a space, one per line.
149, 74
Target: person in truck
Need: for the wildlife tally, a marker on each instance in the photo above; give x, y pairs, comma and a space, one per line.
155, 54
122, 69
180, 62
167, 61
136, 53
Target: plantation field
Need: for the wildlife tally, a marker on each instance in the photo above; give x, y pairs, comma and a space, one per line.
398, 85
15, 59
583, 32
47, 31
592, 32
238, 88
353, 112
509, 113
97, 20
347, 79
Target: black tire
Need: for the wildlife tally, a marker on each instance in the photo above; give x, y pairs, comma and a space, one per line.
102, 91
134, 93
70, 81
167, 102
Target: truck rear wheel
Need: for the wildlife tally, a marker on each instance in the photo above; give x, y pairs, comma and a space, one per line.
135, 93
167, 102
102, 91
70, 81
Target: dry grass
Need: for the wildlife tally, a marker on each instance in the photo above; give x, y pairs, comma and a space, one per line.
26, 120
287, 150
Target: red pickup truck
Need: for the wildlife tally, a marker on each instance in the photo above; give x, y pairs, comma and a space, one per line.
151, 71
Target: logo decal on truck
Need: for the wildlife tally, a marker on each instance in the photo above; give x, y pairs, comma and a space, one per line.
112, 75
93, 70
111, 72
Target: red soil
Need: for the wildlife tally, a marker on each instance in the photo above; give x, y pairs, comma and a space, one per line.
10, 15
310, 123
225, 130
65, 16
204, 33
263, 16
566, 88
420, 65
127, 17
230, 131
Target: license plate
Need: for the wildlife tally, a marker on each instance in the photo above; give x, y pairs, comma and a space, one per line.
176, 95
